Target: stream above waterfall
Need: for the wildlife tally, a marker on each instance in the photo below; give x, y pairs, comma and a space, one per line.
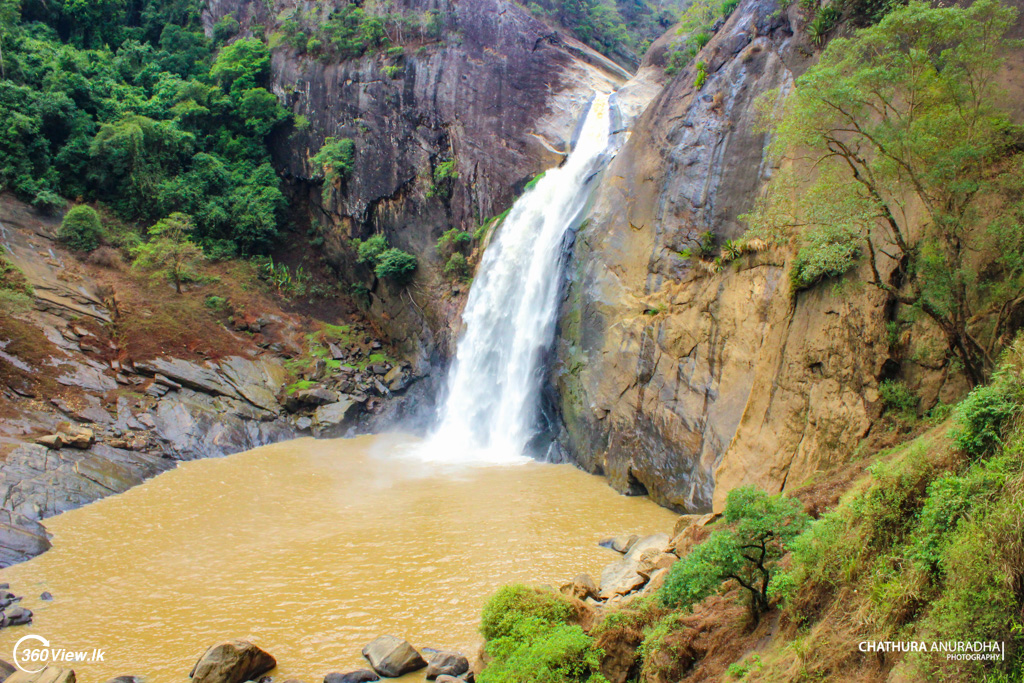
310, 549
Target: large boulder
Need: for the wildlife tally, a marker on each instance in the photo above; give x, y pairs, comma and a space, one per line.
446, 664
6, 669
50, 674
582, 587
331, 415
234, 661
393, 657
357, 676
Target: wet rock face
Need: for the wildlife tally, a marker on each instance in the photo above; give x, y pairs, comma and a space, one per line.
496, 95
683, 383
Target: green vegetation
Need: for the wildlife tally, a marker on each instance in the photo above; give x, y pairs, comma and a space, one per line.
335, 162
897, 398
396, 265
445, 175
388, 263
15, 291
457, 267
529, 637
130, 105
908, 112
170, 251
929, 548
825, 19
348, 31
758, 533
81, 229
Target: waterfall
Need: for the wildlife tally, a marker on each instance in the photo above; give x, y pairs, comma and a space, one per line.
492, 405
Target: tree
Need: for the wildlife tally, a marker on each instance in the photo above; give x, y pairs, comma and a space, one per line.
758, 533
915, 161
241, 65
169, 251
396, 265
10, 12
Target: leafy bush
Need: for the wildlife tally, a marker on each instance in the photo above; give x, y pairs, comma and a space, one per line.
335, 161
370, 249
529, 639
897, 397
729, 6
827, 251
454, 241
445, 174
979, 420
701, 39
516, 603
81, 229
702, 76
12, 279
457, 267
396, 265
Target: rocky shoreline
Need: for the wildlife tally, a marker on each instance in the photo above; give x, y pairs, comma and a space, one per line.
83, 419
240, 661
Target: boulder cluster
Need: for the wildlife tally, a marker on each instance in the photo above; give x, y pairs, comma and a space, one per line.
239, 661
644, 564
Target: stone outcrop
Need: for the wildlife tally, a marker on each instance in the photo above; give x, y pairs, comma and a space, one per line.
234, 661
682, 382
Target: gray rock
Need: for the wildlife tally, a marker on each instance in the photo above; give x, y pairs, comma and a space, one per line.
357, 676
393, 657
6, 669
46, 596
582, 587
316, 396
331, 415
125, 679
446, 664
234, 661
16, 616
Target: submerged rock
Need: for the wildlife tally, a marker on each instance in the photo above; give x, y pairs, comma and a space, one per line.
620, 544
357, 676
393, 657
234, 661
446, 664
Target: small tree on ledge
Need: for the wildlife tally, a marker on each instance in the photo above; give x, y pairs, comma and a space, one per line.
169, 251
758, 533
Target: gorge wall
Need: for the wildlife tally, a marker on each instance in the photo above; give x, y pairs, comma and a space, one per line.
685, 380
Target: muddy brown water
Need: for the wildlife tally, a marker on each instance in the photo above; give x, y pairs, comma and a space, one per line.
310, 549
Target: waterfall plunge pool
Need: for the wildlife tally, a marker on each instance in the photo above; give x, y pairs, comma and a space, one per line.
310, 549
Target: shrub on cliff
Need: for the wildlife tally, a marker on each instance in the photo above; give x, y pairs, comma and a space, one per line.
396, 265
758, 533
81, 229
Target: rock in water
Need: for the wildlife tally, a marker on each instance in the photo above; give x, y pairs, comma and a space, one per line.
446, 664
50, 674
125, 679
6, 669
235, 661
357, 676
393, 657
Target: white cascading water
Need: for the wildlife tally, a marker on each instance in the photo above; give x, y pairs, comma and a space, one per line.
494, 385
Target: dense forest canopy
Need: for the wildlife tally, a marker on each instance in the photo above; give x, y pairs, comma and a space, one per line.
130, 104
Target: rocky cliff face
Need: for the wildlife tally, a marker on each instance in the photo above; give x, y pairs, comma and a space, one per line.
499, 94
685, 382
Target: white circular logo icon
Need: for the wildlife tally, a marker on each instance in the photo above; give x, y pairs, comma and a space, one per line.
43, 641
